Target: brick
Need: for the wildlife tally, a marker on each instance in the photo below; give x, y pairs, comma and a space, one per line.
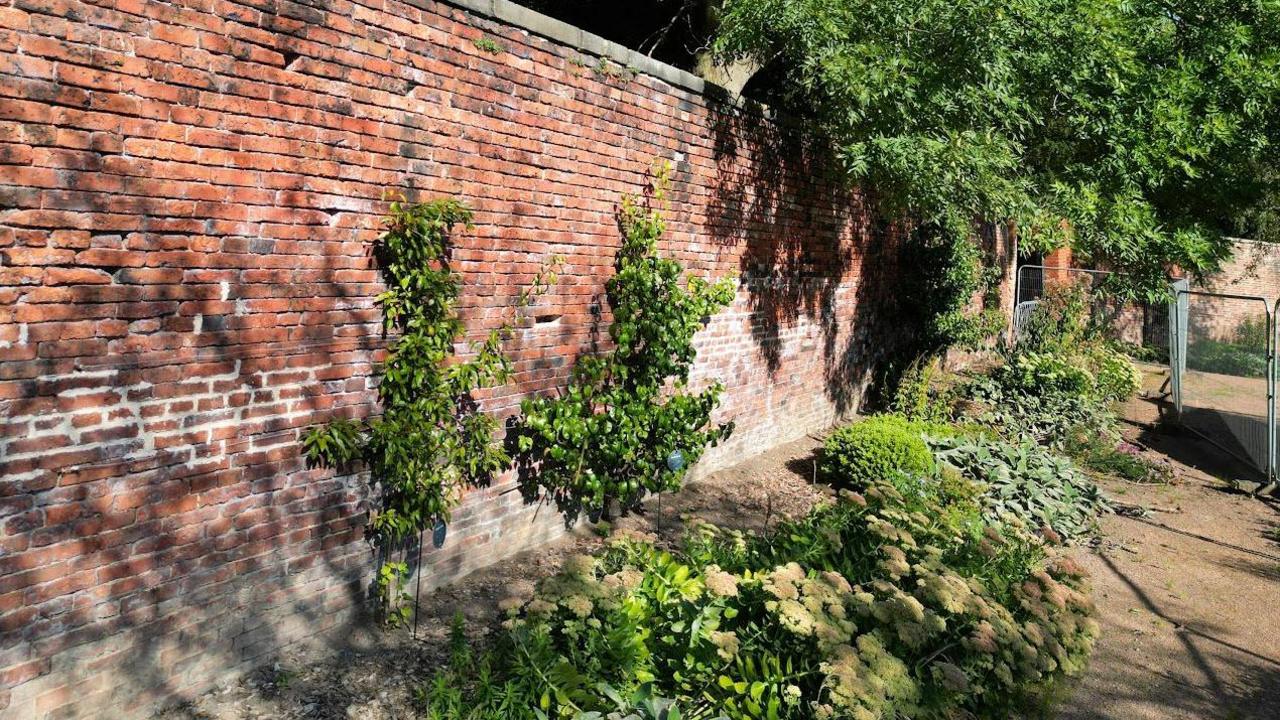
10, 276
15, 154
76, 276
18, 674
186, 284
110, 258
36, 256
149, 276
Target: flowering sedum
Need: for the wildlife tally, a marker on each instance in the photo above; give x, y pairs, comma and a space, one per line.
875, 606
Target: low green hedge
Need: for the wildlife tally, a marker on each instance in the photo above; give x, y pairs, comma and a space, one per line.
880, 448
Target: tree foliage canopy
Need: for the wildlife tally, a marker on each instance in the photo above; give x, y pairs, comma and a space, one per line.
1140, 132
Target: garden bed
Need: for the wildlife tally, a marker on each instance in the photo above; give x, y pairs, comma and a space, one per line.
371, 673
1184, 596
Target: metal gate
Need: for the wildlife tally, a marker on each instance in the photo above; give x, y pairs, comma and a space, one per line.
1222, 352
1137, 324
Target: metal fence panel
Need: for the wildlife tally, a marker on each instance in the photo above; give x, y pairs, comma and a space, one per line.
1224, 379
1138, 324
1271, 404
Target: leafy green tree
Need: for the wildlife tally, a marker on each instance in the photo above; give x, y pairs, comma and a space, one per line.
1261, 220
1138, 132
627, 424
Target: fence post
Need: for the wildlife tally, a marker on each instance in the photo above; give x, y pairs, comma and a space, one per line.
1273, 320
1017, 298
1179, 308
1174, 376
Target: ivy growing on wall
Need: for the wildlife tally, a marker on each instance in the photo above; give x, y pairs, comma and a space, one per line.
943, 272
431, 440
627, 424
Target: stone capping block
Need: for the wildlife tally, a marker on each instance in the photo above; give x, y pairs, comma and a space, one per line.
559, 31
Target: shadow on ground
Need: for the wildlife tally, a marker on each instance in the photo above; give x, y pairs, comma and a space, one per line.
1187, 595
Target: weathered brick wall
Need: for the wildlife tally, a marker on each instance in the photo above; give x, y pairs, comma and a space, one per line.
1252, 271
188, 193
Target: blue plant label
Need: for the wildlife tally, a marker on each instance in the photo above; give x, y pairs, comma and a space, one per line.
438, 533
675, 461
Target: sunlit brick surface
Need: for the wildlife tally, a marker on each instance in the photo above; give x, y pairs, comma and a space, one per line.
188, 195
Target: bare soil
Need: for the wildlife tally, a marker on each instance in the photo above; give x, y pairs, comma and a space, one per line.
1215, 391
1188, 594
1231, 410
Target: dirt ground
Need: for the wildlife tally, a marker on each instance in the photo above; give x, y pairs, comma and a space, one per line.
1215, 391
1189, 598
1231, 410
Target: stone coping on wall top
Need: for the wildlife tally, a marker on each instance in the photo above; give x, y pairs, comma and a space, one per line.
559, 31
1248, 241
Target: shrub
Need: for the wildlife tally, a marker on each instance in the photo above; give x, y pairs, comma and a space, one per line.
870, 607
1046, 418
1251, 332
1062, 349
916, 395
1116, 377
628, 424
1225, 358
1146, 352
1025, 481
1094, 371
1242, 352
1062, 320
1062, 375
1045, 395
882, 447
1048, 373
948, 272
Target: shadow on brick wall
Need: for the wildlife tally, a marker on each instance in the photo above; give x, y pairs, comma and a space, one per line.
188, 541
814, 250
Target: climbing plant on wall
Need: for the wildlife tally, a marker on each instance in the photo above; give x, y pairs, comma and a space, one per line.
942, 275
628, 424
431, 439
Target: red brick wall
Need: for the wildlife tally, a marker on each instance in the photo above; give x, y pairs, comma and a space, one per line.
188, 192
1252, 272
